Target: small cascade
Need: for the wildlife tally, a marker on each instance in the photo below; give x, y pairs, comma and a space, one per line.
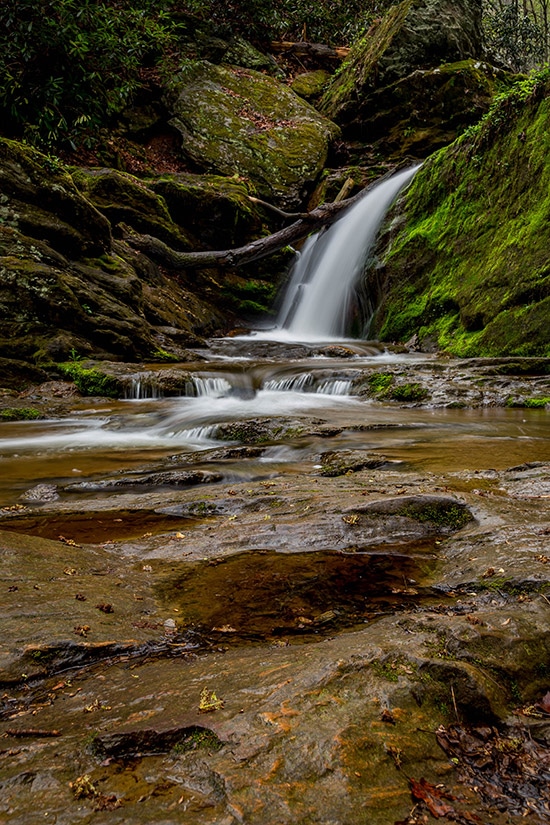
308, 382
294, 383
334, 386
143, 385
319, 296
213, 387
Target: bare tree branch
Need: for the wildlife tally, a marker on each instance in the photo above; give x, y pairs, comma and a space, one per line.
308, 222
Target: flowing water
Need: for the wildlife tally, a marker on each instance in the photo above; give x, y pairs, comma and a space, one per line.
111, 436
318, 299
261, 377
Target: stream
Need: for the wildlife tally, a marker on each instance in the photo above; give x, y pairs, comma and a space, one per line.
98, 439
256, 584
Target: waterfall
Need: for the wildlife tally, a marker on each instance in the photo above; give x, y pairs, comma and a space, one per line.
319, 295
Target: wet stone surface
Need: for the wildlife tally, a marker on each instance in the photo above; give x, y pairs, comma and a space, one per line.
285, 644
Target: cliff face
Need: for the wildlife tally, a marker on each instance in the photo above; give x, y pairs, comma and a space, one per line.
465, 264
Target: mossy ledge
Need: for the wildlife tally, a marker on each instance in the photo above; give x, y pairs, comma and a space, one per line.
464, 265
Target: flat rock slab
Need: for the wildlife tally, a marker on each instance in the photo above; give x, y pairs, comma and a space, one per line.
317, 723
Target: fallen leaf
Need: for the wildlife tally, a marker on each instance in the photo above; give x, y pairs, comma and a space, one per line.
209, 702
105, 608
544, 703
70, 542
432, 797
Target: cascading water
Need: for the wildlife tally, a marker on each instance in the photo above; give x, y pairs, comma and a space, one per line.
318, 296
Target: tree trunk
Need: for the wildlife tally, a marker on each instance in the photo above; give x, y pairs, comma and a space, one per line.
307, 222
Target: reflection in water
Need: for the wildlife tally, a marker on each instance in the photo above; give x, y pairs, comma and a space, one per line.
264, 594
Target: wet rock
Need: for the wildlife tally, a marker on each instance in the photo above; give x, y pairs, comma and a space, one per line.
438, 513
336, 463
147, 742
169, 478
41, 492
236, 120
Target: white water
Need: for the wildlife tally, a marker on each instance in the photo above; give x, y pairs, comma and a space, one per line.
317, 301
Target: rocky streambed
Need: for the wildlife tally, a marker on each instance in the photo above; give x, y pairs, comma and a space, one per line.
320, 600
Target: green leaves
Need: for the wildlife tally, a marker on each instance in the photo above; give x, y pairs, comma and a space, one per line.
66, 66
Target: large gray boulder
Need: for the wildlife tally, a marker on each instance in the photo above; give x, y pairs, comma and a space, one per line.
236, 121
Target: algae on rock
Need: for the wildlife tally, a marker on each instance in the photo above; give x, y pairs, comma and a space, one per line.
465, 264
237, 121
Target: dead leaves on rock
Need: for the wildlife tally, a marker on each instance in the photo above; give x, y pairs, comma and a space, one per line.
509, 771
433, 797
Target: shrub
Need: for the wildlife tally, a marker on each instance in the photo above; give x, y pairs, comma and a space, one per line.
66, 66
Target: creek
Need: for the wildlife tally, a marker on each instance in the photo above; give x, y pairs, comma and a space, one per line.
303, 370
253, 584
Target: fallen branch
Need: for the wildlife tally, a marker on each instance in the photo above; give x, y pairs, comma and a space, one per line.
305, 49
308, 222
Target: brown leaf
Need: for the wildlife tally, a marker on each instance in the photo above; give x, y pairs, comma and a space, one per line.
544, 703
431, 796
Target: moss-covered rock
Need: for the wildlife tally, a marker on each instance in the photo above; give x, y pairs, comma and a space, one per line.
428, 108
416, 79
466, 264
237, 121
122, 198
416, 34
38, 197
310, 85
216, 209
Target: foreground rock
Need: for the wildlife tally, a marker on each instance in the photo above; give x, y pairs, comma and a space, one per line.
432, 614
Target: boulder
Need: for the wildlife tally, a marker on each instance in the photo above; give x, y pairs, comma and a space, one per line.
238, 121
216, 209
66, 287
39, 199
122, 198
415, 79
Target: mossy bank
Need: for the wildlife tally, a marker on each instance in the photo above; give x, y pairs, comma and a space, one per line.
464, 264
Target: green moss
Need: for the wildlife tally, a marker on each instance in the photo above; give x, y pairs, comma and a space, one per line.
380, 382
92, 381
203, 739
536, 403
244, 122
163, 356
453, 516
20, 414
468, 267
409, 392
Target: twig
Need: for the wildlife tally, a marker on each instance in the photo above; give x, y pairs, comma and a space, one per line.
454, 705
